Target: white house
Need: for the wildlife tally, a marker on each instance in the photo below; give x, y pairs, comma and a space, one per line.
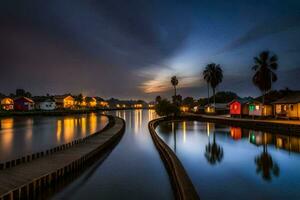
45, 103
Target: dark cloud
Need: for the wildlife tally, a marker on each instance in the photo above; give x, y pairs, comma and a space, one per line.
87, 45
100, 47
264, 29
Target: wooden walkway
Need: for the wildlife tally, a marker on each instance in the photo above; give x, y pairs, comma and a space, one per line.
23, 181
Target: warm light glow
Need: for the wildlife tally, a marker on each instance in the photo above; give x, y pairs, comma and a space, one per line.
58, 130
207, 129
68, 129
103, 104
137, 120
68, 102
93, 122
210, 109
7, 104
6, 136
184, 108
151, 106
184, 131
151, 114
82, 122
138, 105
93, 102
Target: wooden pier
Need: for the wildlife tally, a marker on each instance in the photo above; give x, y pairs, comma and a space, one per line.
26, 180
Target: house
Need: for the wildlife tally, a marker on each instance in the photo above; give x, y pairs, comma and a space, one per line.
44, 103
184, 108
64, 101
238, 107
91, 102
257, 108
138, 105
288, 106
23, 104
7, 103
217, 108
101, 103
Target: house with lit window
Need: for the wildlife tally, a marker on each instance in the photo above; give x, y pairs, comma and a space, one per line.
258, 109
239, 108
7, 103
101, 103
288, 106
64, 101
44, 103
91, 102
23, 104
217, 108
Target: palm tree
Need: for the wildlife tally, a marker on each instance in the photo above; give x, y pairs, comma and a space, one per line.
174, 82
213, 74
213, 152
265, 66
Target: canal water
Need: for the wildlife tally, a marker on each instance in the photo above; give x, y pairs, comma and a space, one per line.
133, 170
24, 135
232, 163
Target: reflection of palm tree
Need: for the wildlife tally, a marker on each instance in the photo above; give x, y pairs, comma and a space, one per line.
213, 152
174, 131
266, 165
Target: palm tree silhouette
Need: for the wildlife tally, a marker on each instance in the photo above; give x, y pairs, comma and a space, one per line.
265, 164
174, 82
265, 67
213, 152
213, 75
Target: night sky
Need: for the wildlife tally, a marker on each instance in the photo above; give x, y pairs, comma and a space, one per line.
130, 49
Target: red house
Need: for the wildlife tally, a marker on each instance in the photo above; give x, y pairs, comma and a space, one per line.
23, 104
239, 107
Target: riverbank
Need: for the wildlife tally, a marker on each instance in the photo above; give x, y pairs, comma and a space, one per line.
24, 180
181, 183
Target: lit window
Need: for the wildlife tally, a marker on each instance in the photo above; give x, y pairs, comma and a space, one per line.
256, 107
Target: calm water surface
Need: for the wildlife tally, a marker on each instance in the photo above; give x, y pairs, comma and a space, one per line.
133, 170
23, 135
233, 163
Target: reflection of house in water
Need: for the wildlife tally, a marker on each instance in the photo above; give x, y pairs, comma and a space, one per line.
238, 133
288, 143
260, 138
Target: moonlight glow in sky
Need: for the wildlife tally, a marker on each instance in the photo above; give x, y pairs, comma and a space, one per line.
130, 49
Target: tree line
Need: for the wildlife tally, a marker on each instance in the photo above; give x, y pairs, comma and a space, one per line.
264, 68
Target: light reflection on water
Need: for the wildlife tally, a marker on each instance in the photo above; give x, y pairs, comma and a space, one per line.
20, 136
133, 170
234, 163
